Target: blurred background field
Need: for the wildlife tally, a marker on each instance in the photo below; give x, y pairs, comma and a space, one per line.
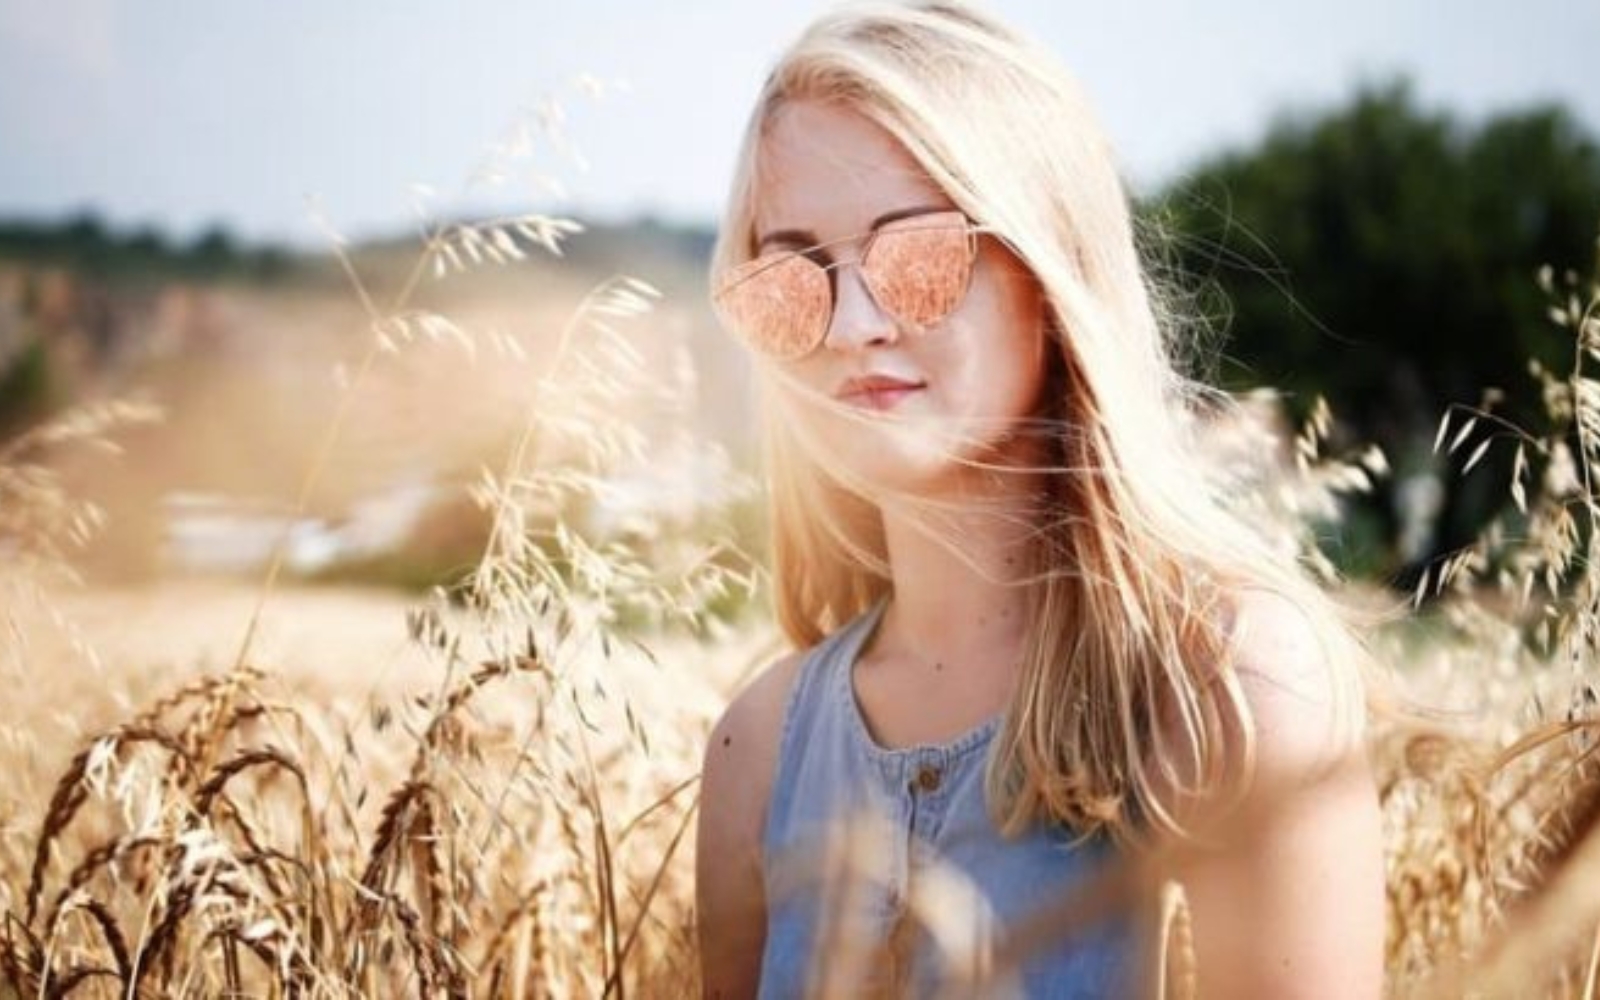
242, 729
1381, 255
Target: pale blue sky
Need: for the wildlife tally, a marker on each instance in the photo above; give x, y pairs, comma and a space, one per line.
181, 112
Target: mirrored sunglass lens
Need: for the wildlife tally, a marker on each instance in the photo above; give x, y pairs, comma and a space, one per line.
779, 304
918, 270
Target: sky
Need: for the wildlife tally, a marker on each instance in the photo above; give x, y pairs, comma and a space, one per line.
184, 114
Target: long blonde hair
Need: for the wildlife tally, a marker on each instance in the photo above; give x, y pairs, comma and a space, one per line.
1128, 639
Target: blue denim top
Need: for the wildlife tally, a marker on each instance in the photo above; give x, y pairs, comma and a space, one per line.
930, 801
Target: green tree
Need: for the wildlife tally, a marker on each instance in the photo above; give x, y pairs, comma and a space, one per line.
26, 389
213, 253
1384, 256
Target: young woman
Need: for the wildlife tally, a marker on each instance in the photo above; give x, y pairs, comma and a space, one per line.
1034, 642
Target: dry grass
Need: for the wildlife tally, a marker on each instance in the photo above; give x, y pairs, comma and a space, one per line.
509, 820
509, 812
503, 819
1492, 815
224, 840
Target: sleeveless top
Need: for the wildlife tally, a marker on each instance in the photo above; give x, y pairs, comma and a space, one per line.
912, 817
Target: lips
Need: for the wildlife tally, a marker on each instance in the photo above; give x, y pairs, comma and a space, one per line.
878, 392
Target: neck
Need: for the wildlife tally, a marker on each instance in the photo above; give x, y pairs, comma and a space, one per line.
959, 577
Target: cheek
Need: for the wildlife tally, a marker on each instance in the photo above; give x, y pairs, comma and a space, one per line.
1011, 360
804, 378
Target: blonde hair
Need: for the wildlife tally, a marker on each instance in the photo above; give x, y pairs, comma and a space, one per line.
1128, 633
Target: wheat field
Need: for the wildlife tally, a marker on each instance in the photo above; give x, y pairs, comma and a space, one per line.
267, 788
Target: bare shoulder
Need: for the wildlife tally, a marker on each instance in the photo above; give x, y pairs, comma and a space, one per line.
1287, 897
736, 783
1300, 683
741, 756
744, 741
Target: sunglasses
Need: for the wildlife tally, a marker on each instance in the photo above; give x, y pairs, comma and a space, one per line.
917, 270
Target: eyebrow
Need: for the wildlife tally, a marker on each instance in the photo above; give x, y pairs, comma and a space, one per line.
807, 238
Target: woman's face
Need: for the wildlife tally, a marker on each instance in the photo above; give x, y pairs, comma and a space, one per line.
889, 406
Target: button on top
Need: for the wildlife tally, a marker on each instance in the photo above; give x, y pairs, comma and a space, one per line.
928, 778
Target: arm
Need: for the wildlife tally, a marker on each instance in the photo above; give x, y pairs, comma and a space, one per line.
736, 784
1290, 904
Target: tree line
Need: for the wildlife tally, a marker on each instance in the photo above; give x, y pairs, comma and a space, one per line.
1380, 254
1385, 256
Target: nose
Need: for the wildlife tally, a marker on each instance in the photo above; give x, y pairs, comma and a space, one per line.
857, 320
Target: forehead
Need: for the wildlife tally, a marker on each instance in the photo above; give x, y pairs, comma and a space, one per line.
827, 169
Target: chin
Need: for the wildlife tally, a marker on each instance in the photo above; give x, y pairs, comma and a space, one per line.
884, 462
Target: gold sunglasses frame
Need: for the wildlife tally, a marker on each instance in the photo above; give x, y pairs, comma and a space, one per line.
744, 273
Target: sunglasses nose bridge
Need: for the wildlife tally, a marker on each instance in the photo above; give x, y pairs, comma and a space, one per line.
857, 319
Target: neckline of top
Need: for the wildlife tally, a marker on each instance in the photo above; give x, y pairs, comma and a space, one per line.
853, 642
